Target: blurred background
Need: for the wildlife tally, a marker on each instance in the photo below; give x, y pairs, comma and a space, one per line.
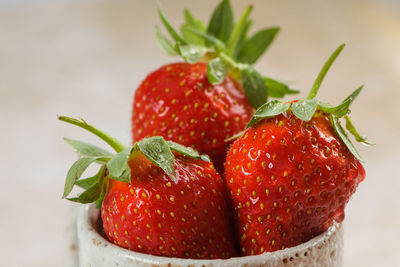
85, 58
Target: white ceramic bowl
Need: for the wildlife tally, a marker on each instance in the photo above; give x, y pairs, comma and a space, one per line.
323, 250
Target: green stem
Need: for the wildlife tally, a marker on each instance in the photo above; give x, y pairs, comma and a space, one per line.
114, 143
321, 75
237, 30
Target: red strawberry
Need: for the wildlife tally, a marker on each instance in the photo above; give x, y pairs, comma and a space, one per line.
153, 200
207, 99
292, 172
154, 215
178, 102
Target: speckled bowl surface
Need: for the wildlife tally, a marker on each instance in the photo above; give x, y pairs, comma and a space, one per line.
323, 250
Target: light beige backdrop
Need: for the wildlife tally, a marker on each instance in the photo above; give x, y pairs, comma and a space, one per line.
85, 58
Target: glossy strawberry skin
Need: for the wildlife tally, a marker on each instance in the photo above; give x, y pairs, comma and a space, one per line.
154, 215
288, 180
178, 102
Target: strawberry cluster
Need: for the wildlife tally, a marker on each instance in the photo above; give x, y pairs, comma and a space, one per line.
186, 188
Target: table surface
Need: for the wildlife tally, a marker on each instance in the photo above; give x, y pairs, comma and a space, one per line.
84, 58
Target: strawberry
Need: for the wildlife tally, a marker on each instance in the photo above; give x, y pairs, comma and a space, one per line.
292, 171
157, 197
215, 88
178, 102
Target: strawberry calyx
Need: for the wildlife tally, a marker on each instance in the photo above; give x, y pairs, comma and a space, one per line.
305, 109
227, 49
115, 166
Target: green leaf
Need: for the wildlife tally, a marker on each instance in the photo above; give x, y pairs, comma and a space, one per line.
164, 43
170, 29
236, 136
93, 192
242, 39
221, 22
192, 22
341, 109
268, 110
88, 196
359, 138
119, 164
218, 44
125, 176
216, 71
99, 201
345, 106
191, 53
277, 89
156, 149
254, 86
87, 150
75, 172
87, 182
353, 95
324, 70
304, 109
237, 31
188, 151
326, 107
255, 46
342, 134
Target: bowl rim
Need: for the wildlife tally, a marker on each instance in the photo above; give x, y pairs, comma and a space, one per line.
88, 212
